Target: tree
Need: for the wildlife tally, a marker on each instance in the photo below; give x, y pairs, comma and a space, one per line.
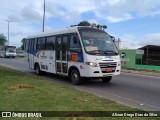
86, 23
22, 41
104, 26
99, 26
3, 40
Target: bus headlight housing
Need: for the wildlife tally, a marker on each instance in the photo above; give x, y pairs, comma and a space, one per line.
91, 64
119, 63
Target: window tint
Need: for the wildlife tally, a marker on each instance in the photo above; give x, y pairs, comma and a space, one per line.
31, 44
58, 45
50, 43
26, 45
64, 48
65, 43
41, 43
75, 43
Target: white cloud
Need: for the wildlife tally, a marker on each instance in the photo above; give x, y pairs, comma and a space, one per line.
93, 21
111, 10
131, 42
151, 39
69, 10
31, 14
28, 13
119, 19
122, 10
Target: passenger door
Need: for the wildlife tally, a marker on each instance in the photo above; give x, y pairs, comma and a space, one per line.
61, 54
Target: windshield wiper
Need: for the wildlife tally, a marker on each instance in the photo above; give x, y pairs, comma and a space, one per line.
110, 51
103, 51
96, 51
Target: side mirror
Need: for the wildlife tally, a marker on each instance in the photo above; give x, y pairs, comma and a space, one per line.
113, 38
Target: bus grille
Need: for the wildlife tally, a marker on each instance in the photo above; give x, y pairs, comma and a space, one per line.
108, 67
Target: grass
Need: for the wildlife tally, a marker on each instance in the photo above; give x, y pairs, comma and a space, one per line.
24, 92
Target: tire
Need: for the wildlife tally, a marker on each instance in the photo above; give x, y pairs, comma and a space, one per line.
38, 71
75, 77
107, 79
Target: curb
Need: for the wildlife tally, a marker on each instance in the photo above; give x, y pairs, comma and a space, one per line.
141, 73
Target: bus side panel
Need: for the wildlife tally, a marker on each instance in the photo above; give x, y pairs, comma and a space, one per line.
46, 60
26, 58
31, 60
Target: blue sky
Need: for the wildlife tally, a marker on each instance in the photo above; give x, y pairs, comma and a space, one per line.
135, 22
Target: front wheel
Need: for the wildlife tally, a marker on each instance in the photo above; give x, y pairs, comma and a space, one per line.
75, 77
38, 71
107, 79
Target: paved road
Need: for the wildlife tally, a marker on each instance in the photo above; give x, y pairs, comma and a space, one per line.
140, 91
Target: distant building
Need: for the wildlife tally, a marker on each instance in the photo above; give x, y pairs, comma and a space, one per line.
118, 43
131, 57
151, 55
147, 57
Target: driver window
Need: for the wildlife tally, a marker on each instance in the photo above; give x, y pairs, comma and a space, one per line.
75, 43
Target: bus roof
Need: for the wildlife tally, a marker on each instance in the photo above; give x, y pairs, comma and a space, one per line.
56, 32
62, 31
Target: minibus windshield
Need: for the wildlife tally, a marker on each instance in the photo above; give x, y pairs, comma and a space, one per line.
11, 49
97, 41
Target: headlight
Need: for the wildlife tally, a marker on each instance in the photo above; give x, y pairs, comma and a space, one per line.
91, 64
119, 63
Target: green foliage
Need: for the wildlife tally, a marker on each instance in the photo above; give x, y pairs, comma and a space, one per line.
104, 26
86, 23
22, 41
140, 69
3, 40
25, 92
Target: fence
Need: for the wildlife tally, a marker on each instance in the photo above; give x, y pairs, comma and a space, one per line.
151, 59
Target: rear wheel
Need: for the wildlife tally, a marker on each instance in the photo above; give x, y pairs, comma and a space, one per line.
38, 71
75, 77
107, 79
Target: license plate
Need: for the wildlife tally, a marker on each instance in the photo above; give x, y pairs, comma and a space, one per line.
108, 70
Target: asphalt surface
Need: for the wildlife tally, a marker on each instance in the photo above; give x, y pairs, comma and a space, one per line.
139, 91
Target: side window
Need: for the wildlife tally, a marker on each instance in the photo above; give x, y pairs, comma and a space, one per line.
75, 43
58, 45
64, 47
26, 45
35, 43
32, 44
50, 43
41, 43
65, 43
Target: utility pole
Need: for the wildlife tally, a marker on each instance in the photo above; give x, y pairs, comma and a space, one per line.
43, 17
8, 30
